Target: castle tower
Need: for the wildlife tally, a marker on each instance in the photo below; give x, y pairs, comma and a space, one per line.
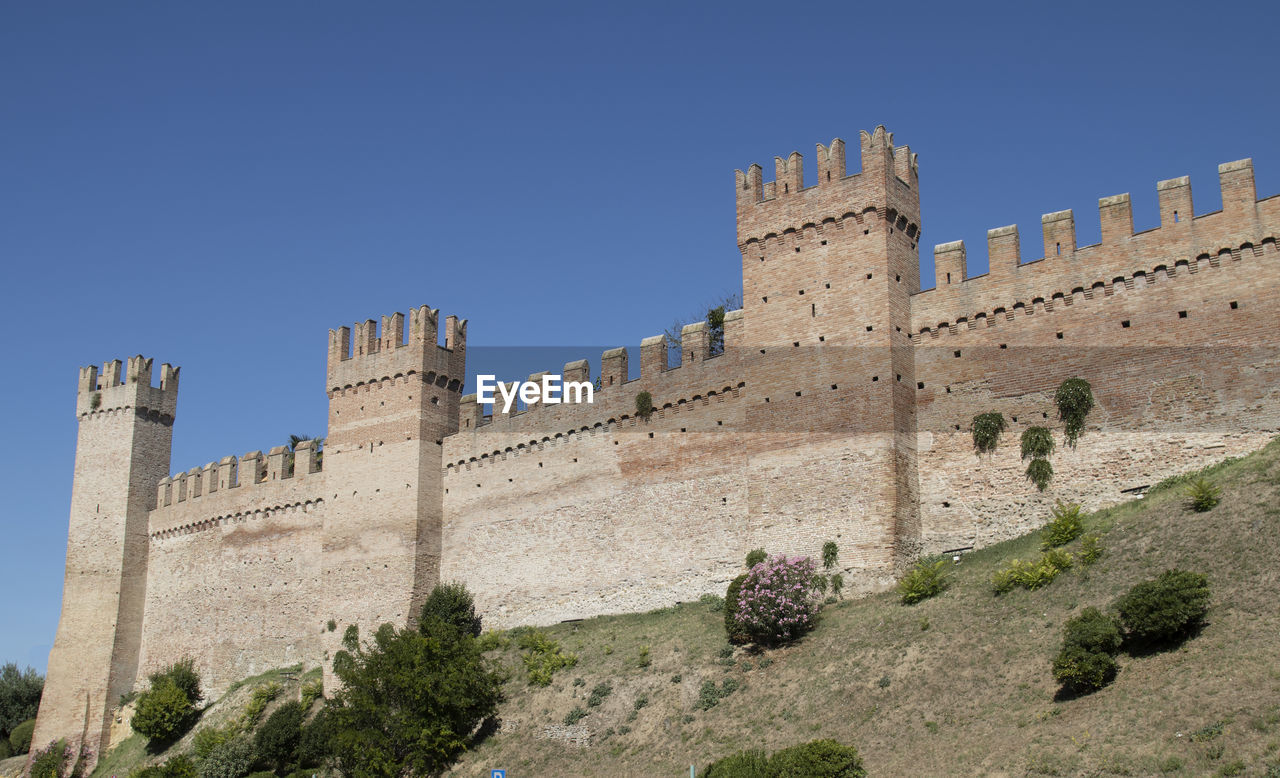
392, 400
122, 453
828, 270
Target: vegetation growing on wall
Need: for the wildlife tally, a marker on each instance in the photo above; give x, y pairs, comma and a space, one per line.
1037, 445
986, 429
644, 405
1074, 399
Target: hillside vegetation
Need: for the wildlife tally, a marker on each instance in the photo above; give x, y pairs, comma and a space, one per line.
958, 684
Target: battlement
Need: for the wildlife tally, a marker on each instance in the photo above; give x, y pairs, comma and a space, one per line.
1066, 271
364, 353
230, 472
1115, 214
100, 392
695, 351
888, 182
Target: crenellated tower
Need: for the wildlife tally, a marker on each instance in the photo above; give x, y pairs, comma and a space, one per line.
828, 272
393, 397
122, 453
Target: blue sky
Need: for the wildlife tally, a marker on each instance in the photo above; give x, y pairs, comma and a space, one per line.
216, 185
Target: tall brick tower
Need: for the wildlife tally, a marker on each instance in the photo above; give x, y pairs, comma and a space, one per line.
122, 452
391, 402
828, 271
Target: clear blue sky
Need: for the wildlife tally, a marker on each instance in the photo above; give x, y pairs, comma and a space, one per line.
217, 184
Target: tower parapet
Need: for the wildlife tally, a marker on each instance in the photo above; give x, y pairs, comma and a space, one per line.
360, 354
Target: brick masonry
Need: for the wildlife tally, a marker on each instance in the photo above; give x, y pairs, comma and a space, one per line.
839, 409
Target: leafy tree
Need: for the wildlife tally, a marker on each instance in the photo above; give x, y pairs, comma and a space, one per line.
713, 313
409, 701
276, 741
19, 696
452, 604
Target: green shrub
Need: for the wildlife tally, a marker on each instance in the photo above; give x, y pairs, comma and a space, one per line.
50, 761
837, 583
574, 716
644, 405
209, 738
776, 603
1202, 495
986, 431
1074, 399
20, 737
6, 750
313, 745
733, 629
644, 660
1080, 670
1093, 630
408, 703
709, 695
1037, 443
311, 691
817, 759
1040, 472
180, 766
1065, 526
276, 741
454, 605
599, 694
164, 712
713, 601
258, 701
1165, 609
232, 759
543, 657
1090, 550
1030, 575
184, 676
755, 556
926, 579
744, 764
830, 553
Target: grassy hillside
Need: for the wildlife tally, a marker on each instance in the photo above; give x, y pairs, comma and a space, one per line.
957, 685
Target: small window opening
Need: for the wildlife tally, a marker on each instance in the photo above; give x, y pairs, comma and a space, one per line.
1175, 217
1182, 314
1125, 324
1234, 305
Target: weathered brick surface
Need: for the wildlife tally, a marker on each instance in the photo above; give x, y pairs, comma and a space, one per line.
839, 410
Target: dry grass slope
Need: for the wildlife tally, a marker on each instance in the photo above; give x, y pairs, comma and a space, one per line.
957, 685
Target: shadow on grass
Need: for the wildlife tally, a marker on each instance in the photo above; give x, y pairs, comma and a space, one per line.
1144, 648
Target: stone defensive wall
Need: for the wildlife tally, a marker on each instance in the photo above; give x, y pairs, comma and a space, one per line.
1175, 328
564, 510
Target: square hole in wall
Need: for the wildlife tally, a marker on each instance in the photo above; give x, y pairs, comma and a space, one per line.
797, 249
801, 291
875, 378
822, 338
797, 394
868, 328
1234, 305
1059, 336
833, 386
795, 344
957, 354
899, 377
1004, 345
824, 243
766, 399
1182, 314
1125, 324
650, 434
920, 384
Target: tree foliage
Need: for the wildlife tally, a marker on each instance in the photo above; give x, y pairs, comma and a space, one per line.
409, 701
20, 692
452, 604
276, 741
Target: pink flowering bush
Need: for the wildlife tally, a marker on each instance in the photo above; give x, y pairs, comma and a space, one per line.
776, 603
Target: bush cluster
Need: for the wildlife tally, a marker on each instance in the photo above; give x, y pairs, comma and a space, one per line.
776, 603
232, 759
1065, 526
1166, 609
1085, 662
166, 709
51, 761
710, 695
815, 759
452, 604
1031, 575
276, 741
926, 579
1152, 614
543, 657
